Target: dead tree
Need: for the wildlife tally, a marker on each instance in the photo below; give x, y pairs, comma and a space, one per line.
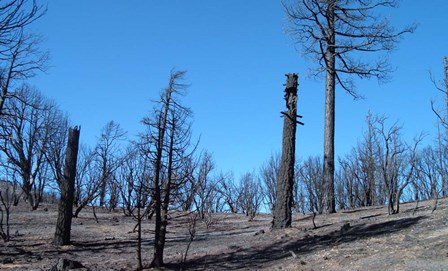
135, 186
442, 116
310, 176
269, 173
8, 196
282, 215
442, 87
108, 158
67, 186
25, 138
20, 57
334, 33
251, 195
205, 186
168, 141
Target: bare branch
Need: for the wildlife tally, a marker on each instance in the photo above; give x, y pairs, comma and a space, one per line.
358, 28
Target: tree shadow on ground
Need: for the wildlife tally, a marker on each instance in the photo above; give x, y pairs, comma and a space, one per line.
98, 245
254, 258
322, 226
370, 216
93, 246
360, 210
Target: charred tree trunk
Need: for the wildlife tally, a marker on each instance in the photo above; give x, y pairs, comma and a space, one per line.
171, 138
285, 184
64, 222
330, 89
139, 231
104, 179
445, 79
159, 238
159, 247
158, 252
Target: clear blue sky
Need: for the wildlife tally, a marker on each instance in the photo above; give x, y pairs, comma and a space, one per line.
111, 58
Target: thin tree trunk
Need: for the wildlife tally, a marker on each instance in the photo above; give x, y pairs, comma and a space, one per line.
162, 221
6, 83
160, 245
391, 207
445, 177
285, 184
139, 233
159, 238
158, 257
104, 179
165, 129
328, 168
64, 222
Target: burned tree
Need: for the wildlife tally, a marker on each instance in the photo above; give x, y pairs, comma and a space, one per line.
282, 215
310, 176
442, 116
168, 142
20, 57
333, 33
205, 187
135, 187
26, 137
442, 135
250, 195
397, 160
67, 186
108, 157
268, 174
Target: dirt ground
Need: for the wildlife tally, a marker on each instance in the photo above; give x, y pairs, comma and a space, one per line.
372, 241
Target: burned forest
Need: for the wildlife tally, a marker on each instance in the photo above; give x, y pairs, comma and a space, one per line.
225, 163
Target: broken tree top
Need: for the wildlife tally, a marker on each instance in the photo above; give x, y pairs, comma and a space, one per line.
291, 91
291, 81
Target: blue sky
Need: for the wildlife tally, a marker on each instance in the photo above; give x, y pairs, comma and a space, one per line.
111, 58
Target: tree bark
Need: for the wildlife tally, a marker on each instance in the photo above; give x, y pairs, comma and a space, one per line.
330, 88
139, 232
445, 79
157, 260
160, 228
171, 138
282, 215
65, 213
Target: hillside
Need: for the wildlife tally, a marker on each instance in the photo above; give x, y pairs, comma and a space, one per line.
373, 241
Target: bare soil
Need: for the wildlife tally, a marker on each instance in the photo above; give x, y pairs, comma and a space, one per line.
415, 239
